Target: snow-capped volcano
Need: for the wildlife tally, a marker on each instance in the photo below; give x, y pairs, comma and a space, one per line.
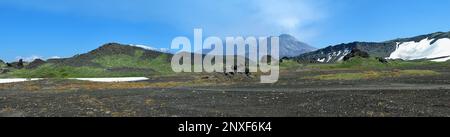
437, 50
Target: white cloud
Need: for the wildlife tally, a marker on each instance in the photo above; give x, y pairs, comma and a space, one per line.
29, 58
291, 16
164, 49
34, 57
262, 18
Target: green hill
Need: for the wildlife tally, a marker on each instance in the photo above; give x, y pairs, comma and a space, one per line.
110, 60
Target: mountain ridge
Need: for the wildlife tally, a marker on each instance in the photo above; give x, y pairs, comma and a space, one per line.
108, 49
289, 46
383, 49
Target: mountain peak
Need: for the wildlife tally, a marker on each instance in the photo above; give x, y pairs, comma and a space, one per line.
290, 46
114, 48
287, 36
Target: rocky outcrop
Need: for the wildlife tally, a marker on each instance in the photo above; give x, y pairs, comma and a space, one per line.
35, 64
16, 65
356, 53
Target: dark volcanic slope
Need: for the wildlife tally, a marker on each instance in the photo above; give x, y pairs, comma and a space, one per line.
106, 50
378, 49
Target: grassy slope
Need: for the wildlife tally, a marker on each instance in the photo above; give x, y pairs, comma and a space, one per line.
374, 75
369, 68
159, 65
374, 64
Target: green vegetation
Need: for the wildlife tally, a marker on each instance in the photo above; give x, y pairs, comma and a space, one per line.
159, 64
54, 71
2, 64
371, 68
374, 75
362, 63
374, 64
289, 64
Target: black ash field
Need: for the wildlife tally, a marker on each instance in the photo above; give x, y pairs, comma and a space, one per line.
300, 92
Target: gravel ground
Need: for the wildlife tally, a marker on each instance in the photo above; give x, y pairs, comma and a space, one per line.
231, 102
290, 97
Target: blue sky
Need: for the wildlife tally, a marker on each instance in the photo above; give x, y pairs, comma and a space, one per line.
47, 28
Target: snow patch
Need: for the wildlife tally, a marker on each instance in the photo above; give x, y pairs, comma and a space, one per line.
329, 58
441, 59
345, 53
14, 80
124, 79
321, 60
150, 48
423, 50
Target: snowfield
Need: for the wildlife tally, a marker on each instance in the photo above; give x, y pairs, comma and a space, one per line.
124, 79
321, 60
423, 50
13, 80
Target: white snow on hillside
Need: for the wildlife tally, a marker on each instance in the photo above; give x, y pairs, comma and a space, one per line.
423, 50
344, 53
334, 56
321, 60
150, 48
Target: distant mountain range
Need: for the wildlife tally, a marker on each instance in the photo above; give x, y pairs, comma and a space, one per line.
289, 46
434, 46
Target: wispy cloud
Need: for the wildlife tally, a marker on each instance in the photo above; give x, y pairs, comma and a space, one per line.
29, 58
54, 57
34, 57
291, 16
